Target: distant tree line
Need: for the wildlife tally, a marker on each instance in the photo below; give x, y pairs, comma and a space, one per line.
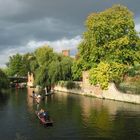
47, 66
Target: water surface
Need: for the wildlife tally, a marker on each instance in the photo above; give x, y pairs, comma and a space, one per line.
75, 117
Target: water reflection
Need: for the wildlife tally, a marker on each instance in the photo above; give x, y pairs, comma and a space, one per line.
4, 97
75, 117
30, 101
20, 137
106, 116
112, 107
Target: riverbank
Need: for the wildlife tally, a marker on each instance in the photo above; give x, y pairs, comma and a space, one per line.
112, 93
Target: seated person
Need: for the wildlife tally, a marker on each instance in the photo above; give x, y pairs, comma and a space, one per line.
40, 113
46, 115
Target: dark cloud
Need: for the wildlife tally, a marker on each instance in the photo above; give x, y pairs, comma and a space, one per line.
24, 20
74, 11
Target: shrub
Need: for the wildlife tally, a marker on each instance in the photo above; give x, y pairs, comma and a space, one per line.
107, 72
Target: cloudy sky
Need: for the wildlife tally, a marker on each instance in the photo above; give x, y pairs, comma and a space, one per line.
28, 24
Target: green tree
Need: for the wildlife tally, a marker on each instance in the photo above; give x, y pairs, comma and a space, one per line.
47, 66
107, 72
32, 62
55, 72
77, 70
41, 76
110, 36
14, 65
66, 65
18, 65
44, 55
109, 44
3, 80
52, 67
25, 64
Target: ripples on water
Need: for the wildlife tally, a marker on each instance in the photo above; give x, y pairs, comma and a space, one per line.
75, 117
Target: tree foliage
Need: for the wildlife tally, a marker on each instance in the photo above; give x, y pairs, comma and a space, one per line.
66, 65
48, 67
109, 45
110, 36
44, 55
3, 80
54, 72
107, 72
77, 70
41, 76
18, 65
52, 67
14, 65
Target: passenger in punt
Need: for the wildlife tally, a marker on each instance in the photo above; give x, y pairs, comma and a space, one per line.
46, 115
41, 112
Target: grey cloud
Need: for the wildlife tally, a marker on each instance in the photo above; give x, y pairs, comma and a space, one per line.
45, 29
57, 45
74, 11
10, 8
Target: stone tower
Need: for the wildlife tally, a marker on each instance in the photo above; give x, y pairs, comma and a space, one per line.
66, 52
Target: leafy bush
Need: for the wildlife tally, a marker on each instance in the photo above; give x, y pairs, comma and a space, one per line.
69, 84
129, 88
77, 70
107, 72
131, 71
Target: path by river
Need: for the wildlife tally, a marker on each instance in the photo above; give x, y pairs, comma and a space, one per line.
75, 117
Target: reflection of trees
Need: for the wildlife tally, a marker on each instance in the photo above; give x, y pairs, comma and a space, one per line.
127, 125
99, 120
96, 116
17, 97
93, 117
102, 121
85, 115
3, 99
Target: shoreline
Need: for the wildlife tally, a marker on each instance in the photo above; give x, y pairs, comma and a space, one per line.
94, 91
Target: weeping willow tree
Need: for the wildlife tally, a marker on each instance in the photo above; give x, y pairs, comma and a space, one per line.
52, 67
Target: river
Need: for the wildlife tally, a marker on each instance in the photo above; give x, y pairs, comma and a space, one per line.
75, 117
